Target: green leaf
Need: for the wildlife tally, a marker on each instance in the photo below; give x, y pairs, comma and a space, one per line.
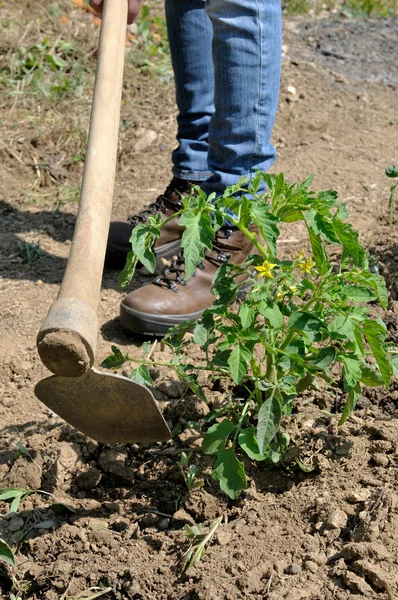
391, 171
372, 280
174, 336
6, 554
126, 275
246, 316
44, 525
16, 502
302, 466
248, 443
342, 327
352, 370
269, 418
216, 436
237, 362
200, 335
115, 360
349, 239
307, 323
358, 293
325, 358
60, 508
375, 335
351, 401
142, 240
8, 493
370, 377
141, 375
272, 313
319, 252
230, 473
323, 226
267, 224
197, 236
394, 364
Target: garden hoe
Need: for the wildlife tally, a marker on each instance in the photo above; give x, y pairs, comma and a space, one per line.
107, 407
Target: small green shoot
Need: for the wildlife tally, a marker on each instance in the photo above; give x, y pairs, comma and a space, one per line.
200, 542
391, 172
30, 253
189, 473
16, 496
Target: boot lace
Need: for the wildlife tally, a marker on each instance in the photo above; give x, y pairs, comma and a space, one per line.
161, 204
173, 275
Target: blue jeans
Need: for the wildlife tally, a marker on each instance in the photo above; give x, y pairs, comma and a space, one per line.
226, 57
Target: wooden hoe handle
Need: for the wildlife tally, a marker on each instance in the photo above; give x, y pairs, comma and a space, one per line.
67, 339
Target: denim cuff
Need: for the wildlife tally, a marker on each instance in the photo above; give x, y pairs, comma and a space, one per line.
191, 175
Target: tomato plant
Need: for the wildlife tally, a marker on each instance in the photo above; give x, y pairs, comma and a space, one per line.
301, 316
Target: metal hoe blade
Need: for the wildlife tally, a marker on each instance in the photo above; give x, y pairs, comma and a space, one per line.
106, 407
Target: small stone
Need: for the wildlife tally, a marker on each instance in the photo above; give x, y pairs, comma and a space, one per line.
146, 137
358, 584
112, 507
336, 520
148, 520
15, 524
113, 462
88, 480
223, 537
191, 438
181, 518
381, 460
121, 525
293, 569
291, 90
355, 497
280, 566
164, 524
311, 566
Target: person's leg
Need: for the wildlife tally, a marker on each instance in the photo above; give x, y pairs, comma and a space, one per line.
190, 37
247, 52
190, 34
247, 56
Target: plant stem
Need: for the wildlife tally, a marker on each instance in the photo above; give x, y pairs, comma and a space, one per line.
242, 417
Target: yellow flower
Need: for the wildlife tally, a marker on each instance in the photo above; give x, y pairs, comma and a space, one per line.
300, 257
279, 296
307, 265
265, 270
293, 289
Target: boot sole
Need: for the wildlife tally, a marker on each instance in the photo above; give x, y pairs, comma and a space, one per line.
158, 325
150, 324
116, 256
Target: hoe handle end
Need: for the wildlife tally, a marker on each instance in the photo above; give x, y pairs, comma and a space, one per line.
67, 339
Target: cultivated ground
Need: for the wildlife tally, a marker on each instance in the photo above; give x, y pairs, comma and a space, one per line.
328, 535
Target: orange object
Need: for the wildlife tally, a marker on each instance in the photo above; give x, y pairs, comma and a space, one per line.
91, 10
78, 3
96, 21
64, 20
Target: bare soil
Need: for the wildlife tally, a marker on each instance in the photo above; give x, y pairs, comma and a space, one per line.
331, 534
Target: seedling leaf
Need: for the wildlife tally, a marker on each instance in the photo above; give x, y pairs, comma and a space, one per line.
248, 443
269, 418
216, 436
6, 554
230, 473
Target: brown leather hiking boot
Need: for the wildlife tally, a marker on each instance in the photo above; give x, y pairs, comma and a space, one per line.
169, 300
169, 242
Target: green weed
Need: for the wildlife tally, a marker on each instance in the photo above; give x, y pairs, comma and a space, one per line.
49, 70
393, 173
200, 540
189, 473
30, 253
